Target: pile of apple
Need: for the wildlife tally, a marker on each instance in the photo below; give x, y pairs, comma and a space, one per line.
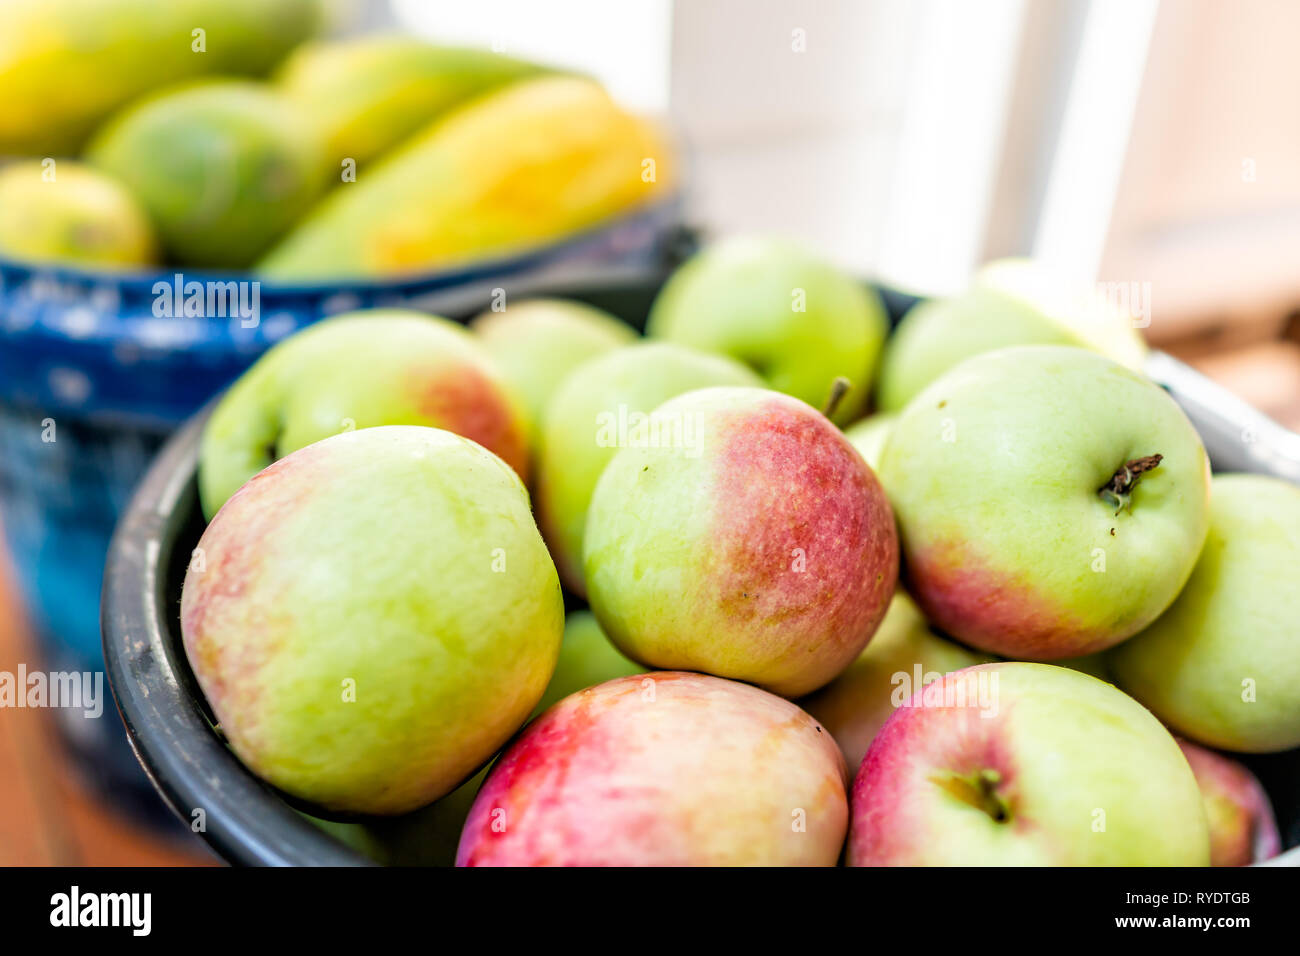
882, 645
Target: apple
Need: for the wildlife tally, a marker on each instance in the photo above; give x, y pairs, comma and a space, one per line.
538, 342
372, 616
424, 837
744, 538
587, 658
1011, 302
1050, 502
1222, 665
1243, 829
596, 409
663, 769
868, 436
381, 367
1094, 665
797, 320
1025, 764
903, 656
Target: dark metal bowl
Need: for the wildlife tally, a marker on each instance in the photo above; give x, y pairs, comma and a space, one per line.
246, 820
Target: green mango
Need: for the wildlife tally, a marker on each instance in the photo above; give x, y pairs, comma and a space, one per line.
224, 167
67, 64
366, 96
521, 167
64, 212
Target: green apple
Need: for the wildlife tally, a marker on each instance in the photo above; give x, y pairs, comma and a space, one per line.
868, 436
1222, 665
1243, 829
382, 367
904, 655
746, 538
424, 837
663, 769
599, 407
1025, 764
372, 616
1051, 502
587, 658
798, 321
537, 343
1093, 665
1012, 302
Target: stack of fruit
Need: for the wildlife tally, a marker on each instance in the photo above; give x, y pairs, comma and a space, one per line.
355, 159
803, 644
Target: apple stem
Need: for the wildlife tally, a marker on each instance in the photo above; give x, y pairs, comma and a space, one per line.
1118, 491
839, 388
979, 790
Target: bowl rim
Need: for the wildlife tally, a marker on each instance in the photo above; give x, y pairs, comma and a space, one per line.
518, 260
181, 753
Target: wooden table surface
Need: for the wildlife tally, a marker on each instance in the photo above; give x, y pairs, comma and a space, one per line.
47, 816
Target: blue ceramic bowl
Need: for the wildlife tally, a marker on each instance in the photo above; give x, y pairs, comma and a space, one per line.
97, 369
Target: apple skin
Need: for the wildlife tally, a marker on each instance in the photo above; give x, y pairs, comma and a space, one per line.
663, 769
856, 704
587, 658
868, 436
764, 550
1243, 829
1063, 755
574, 450
995, 471
538, 342
370, 561
358, 370
1010, 302
1222, 665
738, 297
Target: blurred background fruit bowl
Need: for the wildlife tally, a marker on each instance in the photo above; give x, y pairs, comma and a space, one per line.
236, 149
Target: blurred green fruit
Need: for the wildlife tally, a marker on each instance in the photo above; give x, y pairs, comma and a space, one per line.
868, 436
799, 322
368, 94
537, 343
65, 212
223, 167
1243, 829
425, 837
596, 411
904, 655
1012, 302
67, 64
514, 170
587, 658
1222, 665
